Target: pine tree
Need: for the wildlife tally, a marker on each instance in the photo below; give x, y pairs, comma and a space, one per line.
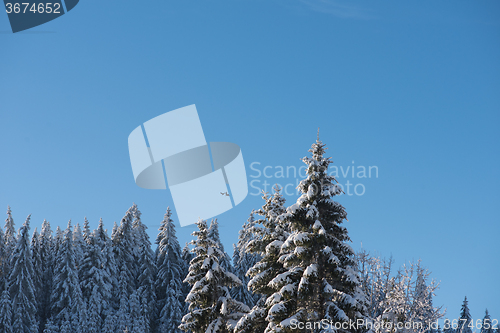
213, 232
187, 255
46, 257
37, 272
10, 232
487, 325
66, 297
79, 245
266, 243
125, 250
320, 281
211, 308
96, 275
57, 241
86, 229
241, 293
21, 287
6, 312
146, 268
465, 320
243, 260
114, 230
171, 270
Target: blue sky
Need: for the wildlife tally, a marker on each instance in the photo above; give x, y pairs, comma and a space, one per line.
411, 87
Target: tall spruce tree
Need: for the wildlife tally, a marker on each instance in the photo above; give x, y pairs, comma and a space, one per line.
243, 260
96, 276
37, 273
125, 249
66, 297
213, 232
171, 272
269, 234
487, 324
211, 307
145, 258
79, 245
46, 255
465, 320
57, 241
10, 232
21, 287
86, 229
321, 281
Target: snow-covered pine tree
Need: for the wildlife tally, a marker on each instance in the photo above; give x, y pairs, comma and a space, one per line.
172, 311
37, 272
10, 232
57, 241
79, 244
321, 281
171, 272
465, 320
487, 324
243, 260
66, 298
211, 307
269, 237
240, 293
5, 312
21, 287
146, 268
187, 255
125, 249
114, 230
46, 255
213, 232
86, 229
97, 276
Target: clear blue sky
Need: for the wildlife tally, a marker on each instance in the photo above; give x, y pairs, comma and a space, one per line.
412, 87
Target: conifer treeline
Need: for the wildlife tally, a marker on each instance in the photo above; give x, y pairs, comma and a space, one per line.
292, 264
